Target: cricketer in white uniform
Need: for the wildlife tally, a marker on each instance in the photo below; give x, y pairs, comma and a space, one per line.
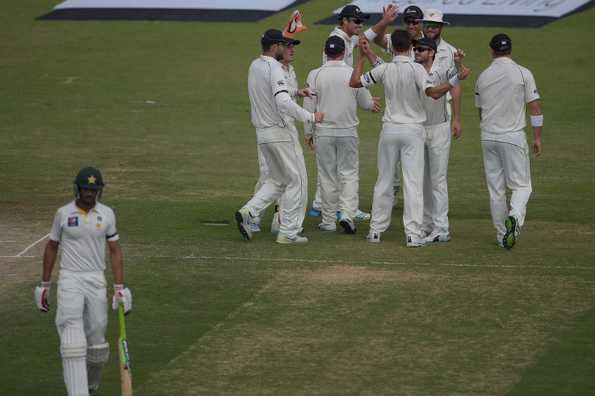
501, 94
279, 144
82, 228
336, 137
402, 137
294, 93
437, 145
351, 19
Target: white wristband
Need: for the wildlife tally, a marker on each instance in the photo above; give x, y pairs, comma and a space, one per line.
370, 34
537, 121
454, 81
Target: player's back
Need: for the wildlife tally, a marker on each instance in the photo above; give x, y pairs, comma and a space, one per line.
501, 92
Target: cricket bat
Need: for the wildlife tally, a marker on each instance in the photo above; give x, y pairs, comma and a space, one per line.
125, 375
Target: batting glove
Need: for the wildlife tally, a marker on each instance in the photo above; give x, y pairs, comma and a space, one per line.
122, 295
42, 296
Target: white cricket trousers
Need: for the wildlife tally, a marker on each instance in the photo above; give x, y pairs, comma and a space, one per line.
507, 166
337, 158
81, 321
404, 143
285, 182
436, 153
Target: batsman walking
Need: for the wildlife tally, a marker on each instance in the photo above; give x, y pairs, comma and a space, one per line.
82, 228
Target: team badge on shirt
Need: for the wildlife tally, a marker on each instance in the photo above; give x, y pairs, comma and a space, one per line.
73, 221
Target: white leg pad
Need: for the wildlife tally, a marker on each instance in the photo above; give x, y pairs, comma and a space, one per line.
97, 356
73, 349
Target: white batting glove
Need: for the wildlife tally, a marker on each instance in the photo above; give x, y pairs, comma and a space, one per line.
42, 296
122, 295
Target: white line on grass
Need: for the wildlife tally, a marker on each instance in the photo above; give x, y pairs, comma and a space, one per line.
33, 244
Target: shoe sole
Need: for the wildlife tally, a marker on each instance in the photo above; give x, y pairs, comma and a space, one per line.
240, 220
347, 227
509, 239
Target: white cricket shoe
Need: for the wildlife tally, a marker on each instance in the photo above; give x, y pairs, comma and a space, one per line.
361, 216
437, 237
347, 224
275, 224
373, 237
286, 240
254, 227
413, 242
327, 227
243, 218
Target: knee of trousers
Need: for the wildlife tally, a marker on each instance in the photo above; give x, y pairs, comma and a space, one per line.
98, 354
73, 343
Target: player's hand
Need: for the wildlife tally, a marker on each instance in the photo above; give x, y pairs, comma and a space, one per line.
364, 47
318, 117
122, 295
463, 72
302, 93
377, 107
309, 140
458, 56
389, 13
456, 128
537, 147
42, 296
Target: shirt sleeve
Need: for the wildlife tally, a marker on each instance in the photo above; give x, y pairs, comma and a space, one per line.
111, 232
278, 82
56, 231
374, 76
477, 96
364, 98
531, 93
311, 101
423, 79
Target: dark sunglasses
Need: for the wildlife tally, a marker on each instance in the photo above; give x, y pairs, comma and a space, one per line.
421, 49
411, 22
434, 25
357, 21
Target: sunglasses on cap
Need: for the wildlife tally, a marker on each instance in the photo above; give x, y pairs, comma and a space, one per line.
434, 25
357, 21
421, 49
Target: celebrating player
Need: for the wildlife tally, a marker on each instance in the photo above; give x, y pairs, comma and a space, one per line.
278, 143
437, 144
501, 93
402, 136
336, 137
82, 228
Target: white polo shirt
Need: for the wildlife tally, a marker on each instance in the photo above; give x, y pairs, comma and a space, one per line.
336, 99
405, 83
350, 45
269, 100
437, 109
82, 236
445, 55
501, 92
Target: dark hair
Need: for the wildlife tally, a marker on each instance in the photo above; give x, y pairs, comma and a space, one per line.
266, 45
503, 53
400, 40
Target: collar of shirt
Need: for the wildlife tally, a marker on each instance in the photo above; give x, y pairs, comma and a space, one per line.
503, 59
269, 59
74, 209
332, 63
340, 32
401, 58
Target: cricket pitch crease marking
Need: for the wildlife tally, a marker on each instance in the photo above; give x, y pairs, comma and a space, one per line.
30, 246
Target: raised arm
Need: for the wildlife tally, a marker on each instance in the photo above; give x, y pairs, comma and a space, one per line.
389, 15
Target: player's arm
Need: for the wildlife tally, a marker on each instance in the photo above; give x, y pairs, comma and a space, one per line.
122, 295
377, 33
42, 291
438, 91
456, 94
537, 124
284, 102
310, 103
358, 78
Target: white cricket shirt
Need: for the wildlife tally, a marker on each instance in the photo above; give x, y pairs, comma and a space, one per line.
405, 83
269, 100
437, 109
350, 45
82, 236
501, 92
336, 99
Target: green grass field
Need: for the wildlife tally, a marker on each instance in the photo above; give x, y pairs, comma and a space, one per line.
162, 109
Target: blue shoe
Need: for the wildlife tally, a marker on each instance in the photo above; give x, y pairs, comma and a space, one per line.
313, 212
361, 216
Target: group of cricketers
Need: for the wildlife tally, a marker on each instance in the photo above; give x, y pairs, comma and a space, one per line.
422, 110
422, 92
